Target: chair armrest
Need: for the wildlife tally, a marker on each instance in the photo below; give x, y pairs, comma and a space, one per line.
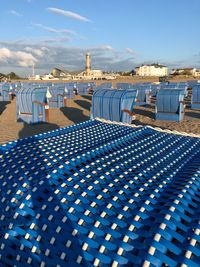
39, 103
130, 113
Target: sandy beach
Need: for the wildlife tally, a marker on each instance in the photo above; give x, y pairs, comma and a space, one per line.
78, 110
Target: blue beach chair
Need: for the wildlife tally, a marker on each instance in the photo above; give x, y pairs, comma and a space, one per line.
195, 101
31, 104
113, 104
82, 88
5, 92
100, 194
58, 97
144, 95
170, 105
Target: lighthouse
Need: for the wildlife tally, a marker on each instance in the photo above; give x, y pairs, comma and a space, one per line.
87, 65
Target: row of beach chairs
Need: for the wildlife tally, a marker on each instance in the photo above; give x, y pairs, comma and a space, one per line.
170, 98
34, 99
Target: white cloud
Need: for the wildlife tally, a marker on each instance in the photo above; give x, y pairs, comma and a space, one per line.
107, 48
50, 53
4, 54
130, 51
15, 13
53, 30
36, 52
20, 58
68, 14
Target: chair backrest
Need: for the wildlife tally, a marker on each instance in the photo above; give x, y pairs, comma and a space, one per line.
82, 88
196, 93
69, 90
168, 100
55, 91
143, 90
109, 103
26, 96
154, 89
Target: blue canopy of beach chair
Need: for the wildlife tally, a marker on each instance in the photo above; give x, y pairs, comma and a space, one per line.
170, 104
113, 104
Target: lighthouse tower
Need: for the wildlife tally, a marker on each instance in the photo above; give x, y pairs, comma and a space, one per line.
87, 65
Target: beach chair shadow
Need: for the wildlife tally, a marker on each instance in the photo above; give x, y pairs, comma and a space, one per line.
145, 113
32, 129
193, 114
83, 104
88, 97
3, 105
74, 114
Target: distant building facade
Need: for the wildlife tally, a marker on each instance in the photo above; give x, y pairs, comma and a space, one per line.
186, 71
151, 70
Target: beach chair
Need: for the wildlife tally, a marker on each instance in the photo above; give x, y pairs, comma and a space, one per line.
183, 86
91, 87
82, 88
58, 97
154, 89
113, 104
32, 104
5, 92
170, 105
144, 95
195, 100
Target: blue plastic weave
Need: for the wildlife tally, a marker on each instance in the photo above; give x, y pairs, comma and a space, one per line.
98, 194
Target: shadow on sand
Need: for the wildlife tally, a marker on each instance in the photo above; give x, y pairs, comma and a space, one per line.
193, 114
74, 114
145, 113
88, 97
32, 129
83, 104
3, 106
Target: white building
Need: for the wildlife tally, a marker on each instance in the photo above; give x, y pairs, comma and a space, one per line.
196, 73
152, 70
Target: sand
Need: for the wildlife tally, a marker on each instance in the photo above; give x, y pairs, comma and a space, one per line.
78, 110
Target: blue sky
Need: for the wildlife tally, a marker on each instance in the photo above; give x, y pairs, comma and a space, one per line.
119, 34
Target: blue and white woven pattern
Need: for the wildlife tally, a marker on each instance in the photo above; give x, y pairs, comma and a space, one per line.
98, 194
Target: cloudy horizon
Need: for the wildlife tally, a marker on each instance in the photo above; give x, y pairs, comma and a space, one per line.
49, 36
